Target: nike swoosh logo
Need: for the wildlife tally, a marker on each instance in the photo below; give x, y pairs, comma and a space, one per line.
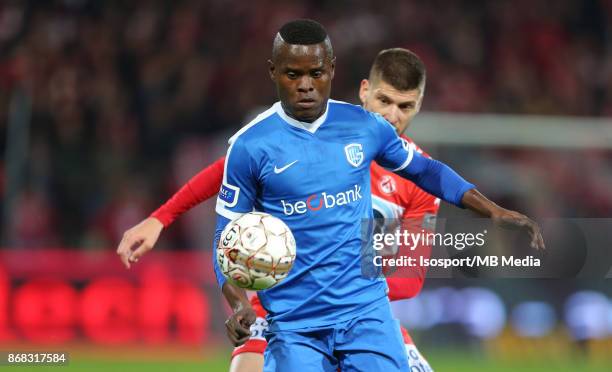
281, 170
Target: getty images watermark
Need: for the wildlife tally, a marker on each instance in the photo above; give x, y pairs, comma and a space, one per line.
475, 248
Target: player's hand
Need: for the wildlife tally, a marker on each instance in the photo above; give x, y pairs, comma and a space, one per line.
507, 218
238, 325
139, 240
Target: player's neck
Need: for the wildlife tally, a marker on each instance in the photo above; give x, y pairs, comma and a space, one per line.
305, 121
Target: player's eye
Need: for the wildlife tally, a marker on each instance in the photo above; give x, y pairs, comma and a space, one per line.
384, 100
316, 74
292, 75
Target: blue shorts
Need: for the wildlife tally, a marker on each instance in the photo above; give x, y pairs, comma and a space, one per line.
370, 342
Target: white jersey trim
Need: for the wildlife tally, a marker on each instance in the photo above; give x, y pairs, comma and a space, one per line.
408, 160
220, 209
262, 116
310, 127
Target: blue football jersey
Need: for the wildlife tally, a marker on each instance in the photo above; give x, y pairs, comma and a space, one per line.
316, 178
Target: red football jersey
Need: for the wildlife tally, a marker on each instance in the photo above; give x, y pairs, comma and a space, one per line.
403, 198
396, 199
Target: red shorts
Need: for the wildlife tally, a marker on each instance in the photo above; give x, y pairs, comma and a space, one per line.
257, 343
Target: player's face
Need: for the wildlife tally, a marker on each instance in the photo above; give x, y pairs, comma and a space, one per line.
303, 75
398, 107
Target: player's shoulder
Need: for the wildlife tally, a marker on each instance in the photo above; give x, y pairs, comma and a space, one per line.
346, 114
345, 110
257, 128
409, 142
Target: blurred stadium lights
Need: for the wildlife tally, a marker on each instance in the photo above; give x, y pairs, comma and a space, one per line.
485, 314
587, 314
480, 310
453, 304
533, 319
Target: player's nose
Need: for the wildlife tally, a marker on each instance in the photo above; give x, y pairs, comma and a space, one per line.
392, 116
305, 84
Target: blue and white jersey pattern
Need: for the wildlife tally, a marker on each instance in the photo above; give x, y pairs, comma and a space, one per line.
316, 178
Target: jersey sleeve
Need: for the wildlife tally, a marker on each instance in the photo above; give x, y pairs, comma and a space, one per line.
419, 215
221, 223
237, 193
393, 154
201, 187
239, 187
403, 288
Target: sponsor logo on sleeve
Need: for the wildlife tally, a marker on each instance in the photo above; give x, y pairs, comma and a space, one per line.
229, 194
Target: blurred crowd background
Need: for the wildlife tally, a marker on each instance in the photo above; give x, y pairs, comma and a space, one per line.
130, 98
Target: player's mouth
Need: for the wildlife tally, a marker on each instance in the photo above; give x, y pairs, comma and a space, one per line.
306, 103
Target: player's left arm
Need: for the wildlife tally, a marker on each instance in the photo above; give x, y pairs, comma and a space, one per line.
440, 180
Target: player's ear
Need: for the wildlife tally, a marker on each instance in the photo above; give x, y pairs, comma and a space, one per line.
271, 70
363, 90
419, 102
332, 67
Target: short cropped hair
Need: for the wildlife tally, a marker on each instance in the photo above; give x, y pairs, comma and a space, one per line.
400, 68
302, 32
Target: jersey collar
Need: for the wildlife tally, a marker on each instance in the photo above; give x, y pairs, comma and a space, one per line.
310, 127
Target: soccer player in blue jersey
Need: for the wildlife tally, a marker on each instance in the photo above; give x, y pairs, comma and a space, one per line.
306, 160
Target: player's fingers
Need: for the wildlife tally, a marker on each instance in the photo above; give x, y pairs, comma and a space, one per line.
141, 250
537, 241
242, 335
231, 333
242, 340
247, 318
242, 331
240, 325
233, 338
234, 332
233, 324
124, 250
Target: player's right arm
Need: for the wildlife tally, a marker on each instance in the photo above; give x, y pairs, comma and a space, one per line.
141, 238
236, 196
249, 357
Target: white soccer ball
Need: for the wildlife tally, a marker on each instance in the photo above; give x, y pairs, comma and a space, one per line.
256, 251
